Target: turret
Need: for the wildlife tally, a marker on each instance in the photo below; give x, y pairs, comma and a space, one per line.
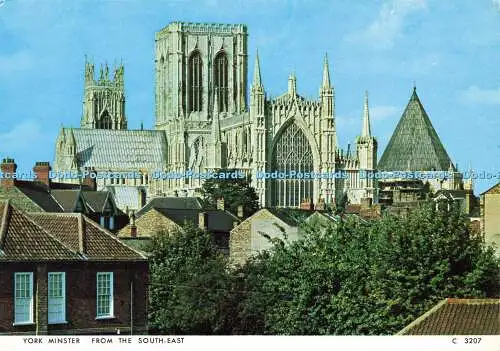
292, 85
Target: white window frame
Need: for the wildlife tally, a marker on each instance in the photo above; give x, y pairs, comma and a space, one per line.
56, 302
25, 302
103, 294
111, 222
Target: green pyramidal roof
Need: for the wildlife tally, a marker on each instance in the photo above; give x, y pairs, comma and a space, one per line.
414, 145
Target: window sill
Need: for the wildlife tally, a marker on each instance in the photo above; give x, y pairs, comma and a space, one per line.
61, 322
105, 317
22, 323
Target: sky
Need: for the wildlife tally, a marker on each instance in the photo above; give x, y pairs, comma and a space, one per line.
449, 49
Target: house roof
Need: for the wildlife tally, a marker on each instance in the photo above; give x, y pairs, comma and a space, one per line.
22, 239
495, 189
85, 236
67, 199
415, 145
179, 203
57, 236
217, 220
450, 194
458, 317
39, 193
120, 149
291, 216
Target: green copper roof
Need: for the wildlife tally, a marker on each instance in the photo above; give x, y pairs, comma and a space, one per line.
414, 145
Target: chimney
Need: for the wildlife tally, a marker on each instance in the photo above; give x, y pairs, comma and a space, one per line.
220, 204
366, 203
240, 211
42, 171
133, 227
306, 205
81, 234
89, 178
8, 169
320, 205
203, 220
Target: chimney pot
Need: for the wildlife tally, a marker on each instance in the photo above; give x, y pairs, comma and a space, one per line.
42, 171
240, 211
8, 168
203, 220
133, 231
220, 204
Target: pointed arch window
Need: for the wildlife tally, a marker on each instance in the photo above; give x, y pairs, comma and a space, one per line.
106, 122
195, 82
292, 153
221, 81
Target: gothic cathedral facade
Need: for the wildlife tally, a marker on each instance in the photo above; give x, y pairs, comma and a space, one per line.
211, 121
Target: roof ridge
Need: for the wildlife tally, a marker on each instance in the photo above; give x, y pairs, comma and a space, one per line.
472, 301
5, 220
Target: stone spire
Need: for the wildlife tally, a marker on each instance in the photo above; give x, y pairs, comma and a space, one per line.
257, 81
292, 84
366, 131
326, 74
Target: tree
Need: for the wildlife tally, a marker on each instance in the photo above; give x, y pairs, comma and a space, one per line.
190, 286
366, 278
235, 192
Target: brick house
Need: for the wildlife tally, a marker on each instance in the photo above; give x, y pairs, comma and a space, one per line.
42, 194
61, 273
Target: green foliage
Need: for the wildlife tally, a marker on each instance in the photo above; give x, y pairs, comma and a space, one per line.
234, 191
350, 278
189, 284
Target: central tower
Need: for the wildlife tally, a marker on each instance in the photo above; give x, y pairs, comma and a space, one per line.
194, 62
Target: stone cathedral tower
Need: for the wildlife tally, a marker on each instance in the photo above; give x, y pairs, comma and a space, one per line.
201, 93
103, 99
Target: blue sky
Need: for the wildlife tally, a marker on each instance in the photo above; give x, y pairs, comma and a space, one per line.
451, 49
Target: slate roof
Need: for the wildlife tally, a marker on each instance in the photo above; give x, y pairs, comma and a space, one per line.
57, 236
291, 216
217, 220
67, 199
414, 145
458, 317
39, 193
126, 196
120, 149
171, 203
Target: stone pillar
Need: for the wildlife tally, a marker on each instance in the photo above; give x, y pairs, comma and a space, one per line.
41, 313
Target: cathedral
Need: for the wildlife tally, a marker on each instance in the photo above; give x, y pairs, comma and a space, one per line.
205, 122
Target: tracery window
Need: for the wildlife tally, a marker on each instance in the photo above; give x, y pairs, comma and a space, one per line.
292, 153
221, 81
195, 82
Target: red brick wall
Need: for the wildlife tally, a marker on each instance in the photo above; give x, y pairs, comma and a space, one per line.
81, 297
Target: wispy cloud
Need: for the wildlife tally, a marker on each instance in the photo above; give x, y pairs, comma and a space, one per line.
379, 113
482, 96
386, 28
23, 136
496, 4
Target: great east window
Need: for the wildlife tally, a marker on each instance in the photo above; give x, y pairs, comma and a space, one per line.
292, 153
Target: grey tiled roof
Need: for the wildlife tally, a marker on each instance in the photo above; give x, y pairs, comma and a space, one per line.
415, 145
126, 196
171, 203
120, 149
